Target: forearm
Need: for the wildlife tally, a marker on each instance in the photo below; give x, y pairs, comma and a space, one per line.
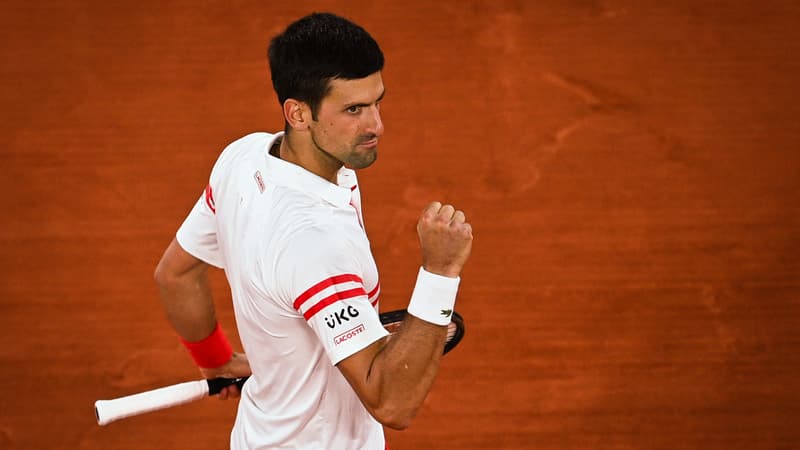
404, 371
393, 377
189, 307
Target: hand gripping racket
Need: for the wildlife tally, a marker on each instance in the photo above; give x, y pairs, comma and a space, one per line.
108, 411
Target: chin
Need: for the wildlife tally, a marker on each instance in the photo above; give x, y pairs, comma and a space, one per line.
362, 163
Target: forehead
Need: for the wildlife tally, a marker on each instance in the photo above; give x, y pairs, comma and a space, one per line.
358, 91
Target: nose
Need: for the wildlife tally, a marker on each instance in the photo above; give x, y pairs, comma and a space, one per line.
376, 124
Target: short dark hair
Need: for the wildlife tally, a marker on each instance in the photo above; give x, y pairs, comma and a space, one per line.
316, 49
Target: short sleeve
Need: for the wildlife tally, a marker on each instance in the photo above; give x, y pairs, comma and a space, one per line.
198, 233
325, 284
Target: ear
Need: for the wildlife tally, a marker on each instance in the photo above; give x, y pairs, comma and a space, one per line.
297, 114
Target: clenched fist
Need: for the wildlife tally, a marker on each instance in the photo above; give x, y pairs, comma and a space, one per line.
445, 238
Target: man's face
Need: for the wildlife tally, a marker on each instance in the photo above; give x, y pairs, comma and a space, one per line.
348, 123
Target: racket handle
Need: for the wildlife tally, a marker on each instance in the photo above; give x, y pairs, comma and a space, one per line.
216, 385
108, 411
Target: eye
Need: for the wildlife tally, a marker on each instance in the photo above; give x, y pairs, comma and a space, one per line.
355, 109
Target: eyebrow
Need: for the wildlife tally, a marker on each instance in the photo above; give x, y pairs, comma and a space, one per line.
380, 97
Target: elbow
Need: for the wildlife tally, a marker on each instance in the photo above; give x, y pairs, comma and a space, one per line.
164, 276
394, 418
160, 274
173, 265
397, 425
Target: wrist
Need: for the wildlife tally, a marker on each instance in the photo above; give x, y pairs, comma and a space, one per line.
211, 352
444, 272
434, 297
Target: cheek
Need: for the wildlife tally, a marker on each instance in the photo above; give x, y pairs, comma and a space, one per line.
340, 130
343, 130
326, 130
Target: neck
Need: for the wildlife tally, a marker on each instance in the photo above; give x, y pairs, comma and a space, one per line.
303, 152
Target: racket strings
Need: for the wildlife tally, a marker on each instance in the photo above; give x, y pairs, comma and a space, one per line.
452, 328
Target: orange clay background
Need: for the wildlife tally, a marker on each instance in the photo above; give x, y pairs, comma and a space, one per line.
630, 169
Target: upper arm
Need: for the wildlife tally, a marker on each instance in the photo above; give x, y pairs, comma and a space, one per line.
327, 282
185, 293
326, 285
176, 263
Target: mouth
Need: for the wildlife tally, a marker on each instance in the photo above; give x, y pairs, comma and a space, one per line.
370, 143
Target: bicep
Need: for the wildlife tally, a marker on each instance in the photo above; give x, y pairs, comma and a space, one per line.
177, 263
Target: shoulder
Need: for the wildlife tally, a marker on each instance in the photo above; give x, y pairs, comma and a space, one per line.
251, 145
257, 139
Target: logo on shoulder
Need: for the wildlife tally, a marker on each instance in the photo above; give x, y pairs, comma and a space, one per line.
259, 181
447, 312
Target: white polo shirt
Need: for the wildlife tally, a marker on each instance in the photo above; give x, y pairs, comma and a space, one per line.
305, 292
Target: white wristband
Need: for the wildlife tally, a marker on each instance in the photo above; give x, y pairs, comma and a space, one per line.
433, 298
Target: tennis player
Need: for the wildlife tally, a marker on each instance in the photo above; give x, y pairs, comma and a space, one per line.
282, 216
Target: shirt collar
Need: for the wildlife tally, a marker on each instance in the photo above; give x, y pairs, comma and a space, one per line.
291, 175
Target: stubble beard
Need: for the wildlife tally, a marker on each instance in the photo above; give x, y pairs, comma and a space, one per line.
353, 159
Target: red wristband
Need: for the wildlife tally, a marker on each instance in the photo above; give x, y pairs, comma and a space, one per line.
212, 352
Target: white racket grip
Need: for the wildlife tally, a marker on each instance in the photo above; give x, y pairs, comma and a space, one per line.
108, 411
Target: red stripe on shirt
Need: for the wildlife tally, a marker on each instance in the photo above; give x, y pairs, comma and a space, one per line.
358, 216
333, 298
374, 292
210, 199
324, 284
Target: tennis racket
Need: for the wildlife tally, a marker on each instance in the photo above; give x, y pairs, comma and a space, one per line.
107, 411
